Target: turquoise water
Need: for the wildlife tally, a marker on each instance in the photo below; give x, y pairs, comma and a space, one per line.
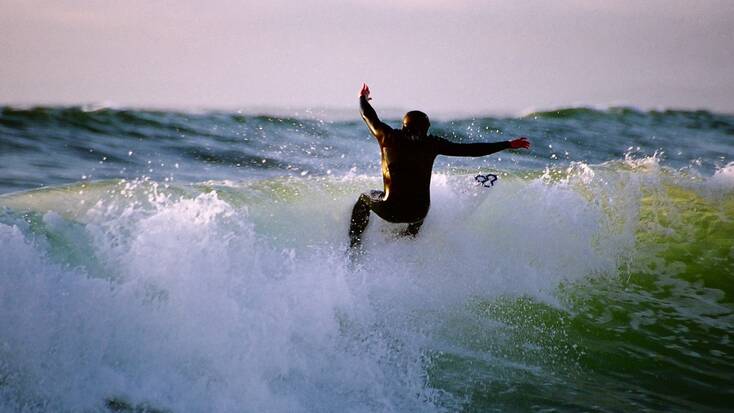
181, 262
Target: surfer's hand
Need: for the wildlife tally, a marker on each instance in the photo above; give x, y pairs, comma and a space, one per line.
365, 92
521, 142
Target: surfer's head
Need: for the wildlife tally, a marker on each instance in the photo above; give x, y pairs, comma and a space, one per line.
416, 122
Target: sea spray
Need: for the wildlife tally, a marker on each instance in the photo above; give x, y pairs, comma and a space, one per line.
193, 304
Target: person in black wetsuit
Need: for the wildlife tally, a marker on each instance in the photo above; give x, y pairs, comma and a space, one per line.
407, 157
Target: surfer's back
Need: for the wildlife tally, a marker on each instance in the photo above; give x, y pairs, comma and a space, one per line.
407, 162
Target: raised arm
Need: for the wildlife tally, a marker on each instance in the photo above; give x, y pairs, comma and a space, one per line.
378, 129
445, 147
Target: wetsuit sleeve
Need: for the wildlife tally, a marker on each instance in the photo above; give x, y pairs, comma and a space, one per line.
445, 147
378, 129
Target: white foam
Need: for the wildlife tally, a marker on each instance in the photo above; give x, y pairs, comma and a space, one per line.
645, 163
724, 177
197, 305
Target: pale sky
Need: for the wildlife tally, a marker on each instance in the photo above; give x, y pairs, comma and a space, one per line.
460, 56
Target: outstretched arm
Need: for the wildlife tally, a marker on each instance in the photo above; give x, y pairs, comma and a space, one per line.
378, 129
446, 147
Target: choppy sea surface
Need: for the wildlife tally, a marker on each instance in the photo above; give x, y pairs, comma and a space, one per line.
185, 262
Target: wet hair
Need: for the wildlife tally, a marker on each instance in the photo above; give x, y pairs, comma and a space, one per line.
416, 122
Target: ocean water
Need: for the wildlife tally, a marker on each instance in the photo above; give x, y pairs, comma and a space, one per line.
190, 262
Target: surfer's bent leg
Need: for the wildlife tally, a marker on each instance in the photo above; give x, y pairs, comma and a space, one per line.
361, 216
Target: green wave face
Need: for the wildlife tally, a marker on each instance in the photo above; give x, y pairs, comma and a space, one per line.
654, 336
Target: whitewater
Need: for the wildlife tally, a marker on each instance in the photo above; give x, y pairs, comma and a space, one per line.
188, 262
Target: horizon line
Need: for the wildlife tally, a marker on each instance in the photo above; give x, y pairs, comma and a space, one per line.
389, 112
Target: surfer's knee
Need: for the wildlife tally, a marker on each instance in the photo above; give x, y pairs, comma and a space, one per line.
364, 199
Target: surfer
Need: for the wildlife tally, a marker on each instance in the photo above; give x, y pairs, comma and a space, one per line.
407, 157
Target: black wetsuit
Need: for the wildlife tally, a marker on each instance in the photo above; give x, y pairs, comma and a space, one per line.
407, 164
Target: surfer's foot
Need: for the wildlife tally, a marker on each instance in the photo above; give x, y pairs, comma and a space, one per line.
412, 230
